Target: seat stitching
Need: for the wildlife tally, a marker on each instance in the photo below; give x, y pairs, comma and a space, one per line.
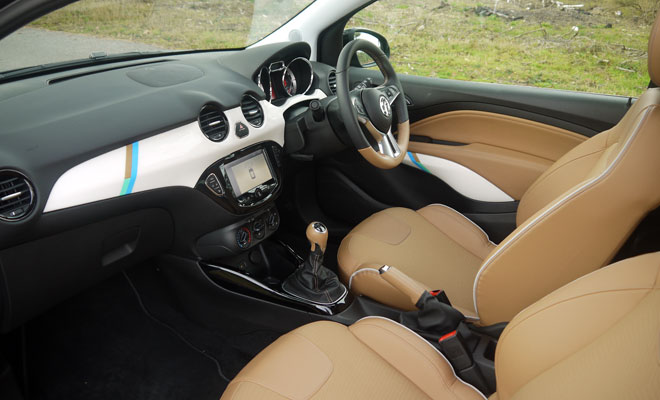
465, 219
549, 306
394, 366
332, 365
442, 356
480, 238
461, 223
244, 380
559, 166
614, 323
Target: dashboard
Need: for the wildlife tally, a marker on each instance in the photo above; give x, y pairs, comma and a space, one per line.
107, 166
89, 135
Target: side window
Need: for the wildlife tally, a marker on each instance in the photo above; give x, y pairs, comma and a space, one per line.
589, 46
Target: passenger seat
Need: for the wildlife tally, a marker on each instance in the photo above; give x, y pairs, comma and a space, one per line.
595, 338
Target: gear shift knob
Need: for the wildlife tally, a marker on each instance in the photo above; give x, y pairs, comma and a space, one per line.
312, 281
317, 234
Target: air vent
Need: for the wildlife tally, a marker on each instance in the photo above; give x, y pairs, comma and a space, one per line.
16, 196
332, 82
252, 111
213, 123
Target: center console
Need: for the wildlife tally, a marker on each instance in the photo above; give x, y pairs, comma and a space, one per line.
275, 272
245, 180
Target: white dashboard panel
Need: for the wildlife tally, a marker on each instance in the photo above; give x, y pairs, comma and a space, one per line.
174, 158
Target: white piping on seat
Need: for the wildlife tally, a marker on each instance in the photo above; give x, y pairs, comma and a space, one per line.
428, 344
467, 219
556, 205
359, 271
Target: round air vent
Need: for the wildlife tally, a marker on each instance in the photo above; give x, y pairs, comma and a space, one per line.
252, 111
16, 196
213, 123
332, 82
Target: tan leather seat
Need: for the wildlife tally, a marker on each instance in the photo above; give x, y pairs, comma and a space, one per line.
571, 221
595, 338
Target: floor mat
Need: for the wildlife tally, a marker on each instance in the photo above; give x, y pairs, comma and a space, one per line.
101, 345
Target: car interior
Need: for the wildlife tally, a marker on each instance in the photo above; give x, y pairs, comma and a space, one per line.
284, 221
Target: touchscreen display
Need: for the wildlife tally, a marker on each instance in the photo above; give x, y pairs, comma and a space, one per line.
248, 172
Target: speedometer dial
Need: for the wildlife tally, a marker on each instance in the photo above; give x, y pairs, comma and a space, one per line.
289, 82
298, 76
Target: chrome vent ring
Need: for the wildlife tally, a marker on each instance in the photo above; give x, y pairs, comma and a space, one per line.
213, 123
252, 111
17, 197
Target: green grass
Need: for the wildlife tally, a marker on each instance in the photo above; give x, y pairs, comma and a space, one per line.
445, 42
540, 50
173, 24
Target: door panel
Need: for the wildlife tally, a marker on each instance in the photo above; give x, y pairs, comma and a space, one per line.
507, 134
507, 151
463, 180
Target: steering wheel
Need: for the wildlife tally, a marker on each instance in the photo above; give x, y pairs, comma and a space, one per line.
372, 108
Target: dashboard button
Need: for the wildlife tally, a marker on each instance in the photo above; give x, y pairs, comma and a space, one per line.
273, 220
213, 184
242, 130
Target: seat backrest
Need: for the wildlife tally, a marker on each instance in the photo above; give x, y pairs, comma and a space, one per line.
578, 213
595, 338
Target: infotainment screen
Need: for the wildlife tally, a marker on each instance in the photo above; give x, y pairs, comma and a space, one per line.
248, 172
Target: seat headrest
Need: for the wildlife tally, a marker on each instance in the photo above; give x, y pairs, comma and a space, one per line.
654, 52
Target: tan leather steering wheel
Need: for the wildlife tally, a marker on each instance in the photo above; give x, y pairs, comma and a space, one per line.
373, 108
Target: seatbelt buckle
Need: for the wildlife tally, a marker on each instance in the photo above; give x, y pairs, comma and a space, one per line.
441, 296
453, 348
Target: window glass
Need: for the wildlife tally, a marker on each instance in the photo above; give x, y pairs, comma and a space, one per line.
120, 26
591, 46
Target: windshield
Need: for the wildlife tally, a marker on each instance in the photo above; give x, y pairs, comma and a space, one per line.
107, 27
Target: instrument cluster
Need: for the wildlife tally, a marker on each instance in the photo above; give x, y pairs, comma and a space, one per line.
280, 80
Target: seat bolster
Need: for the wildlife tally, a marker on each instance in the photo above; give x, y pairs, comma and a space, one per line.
577, 325
413, 357
458, 227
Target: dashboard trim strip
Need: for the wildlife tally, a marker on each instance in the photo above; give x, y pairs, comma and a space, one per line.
130, 174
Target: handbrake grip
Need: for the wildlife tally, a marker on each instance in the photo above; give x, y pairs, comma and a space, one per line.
402, 282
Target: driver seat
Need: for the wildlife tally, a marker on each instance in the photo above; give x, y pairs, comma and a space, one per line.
570, 221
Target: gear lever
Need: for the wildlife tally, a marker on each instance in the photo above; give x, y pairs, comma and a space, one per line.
312, 281
317, 234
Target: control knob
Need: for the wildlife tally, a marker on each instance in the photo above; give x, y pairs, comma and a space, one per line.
243, 237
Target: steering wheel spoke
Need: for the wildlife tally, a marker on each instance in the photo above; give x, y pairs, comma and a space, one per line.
388, 145
391, 92
358, 106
